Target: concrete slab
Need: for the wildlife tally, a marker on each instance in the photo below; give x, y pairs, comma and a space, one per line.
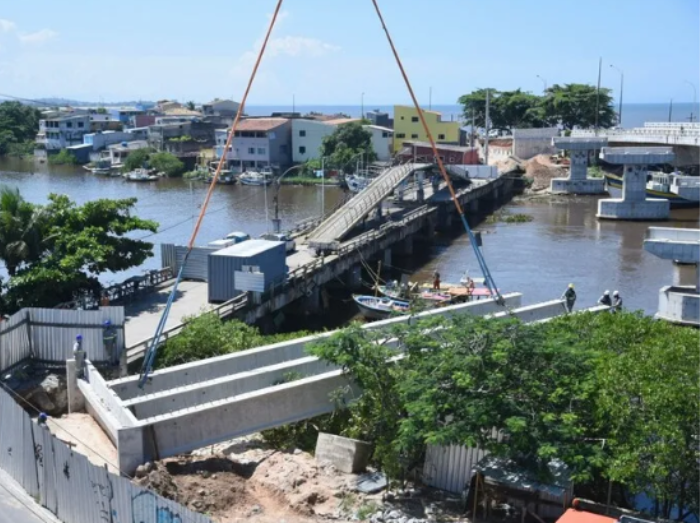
568, 186
637, 155
573, 143
143, 316
645, 210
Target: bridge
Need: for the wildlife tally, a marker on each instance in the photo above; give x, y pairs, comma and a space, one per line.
683, 137
416, 215
341, 222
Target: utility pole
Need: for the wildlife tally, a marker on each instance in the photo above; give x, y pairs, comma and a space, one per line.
670, 110
473, 126
597, 94
362, 106
622, 86
695, 97
293, 105
486, 127
323, 186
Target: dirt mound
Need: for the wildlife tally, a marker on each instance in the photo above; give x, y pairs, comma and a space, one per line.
541, 169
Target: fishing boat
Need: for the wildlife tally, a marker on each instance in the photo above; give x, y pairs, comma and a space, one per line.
357, 183
412, 292
140, 175
434, 297
101, 168
380, 307
255, 178
680, 190
224, 179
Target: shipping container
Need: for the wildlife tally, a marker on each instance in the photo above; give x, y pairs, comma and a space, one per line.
266, 257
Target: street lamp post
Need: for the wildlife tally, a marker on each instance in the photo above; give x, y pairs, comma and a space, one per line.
622, 85
695, 97
276, 222
362, 105
544, 81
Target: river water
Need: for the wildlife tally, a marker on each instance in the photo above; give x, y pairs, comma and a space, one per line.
564, 243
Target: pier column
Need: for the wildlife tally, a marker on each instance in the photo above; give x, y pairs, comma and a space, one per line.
578, 181
474, 206
420, 178
387, 258
312, 303
379, 212
634, 205
353, 278
406, 246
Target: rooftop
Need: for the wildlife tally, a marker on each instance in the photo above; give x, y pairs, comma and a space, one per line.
247, 248
581, 516
340, 121
129, 146
444, 147
260, 124
180, 111
379, 127
413, 108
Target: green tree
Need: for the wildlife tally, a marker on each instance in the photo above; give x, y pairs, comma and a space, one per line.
574, 105
22, 227
167, 163
190, 105
80, 243
136, 159
507, 109
346, 141
19, 124
63, 157
101, 110
474, 106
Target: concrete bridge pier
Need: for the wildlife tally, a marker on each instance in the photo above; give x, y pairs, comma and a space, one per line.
386, 260
578, 181
679, 302
420, 177
634, 205
405, 247
313, 302
353, 277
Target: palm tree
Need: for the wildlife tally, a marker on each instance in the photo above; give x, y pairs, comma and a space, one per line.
22, 227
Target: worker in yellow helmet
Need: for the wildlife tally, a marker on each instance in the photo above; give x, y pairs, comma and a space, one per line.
569, 298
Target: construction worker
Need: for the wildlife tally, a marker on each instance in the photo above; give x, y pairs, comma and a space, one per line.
570, 297
605, 299
616, 302
109, 337
79, 355
436, 281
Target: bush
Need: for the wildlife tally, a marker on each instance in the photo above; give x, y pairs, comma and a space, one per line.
21, 149
136, 159
64, 157
167, 163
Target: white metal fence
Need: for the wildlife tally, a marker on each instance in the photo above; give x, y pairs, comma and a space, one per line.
71, 487
49, 334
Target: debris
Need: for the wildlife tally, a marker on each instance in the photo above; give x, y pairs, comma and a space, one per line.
371, 482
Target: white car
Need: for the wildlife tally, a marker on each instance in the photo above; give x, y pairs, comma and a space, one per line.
237, 236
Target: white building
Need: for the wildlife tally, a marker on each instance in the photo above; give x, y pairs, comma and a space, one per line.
59, 132
220, 108
382, 141
308, 135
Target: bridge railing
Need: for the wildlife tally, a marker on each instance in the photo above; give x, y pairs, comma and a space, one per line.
224, 310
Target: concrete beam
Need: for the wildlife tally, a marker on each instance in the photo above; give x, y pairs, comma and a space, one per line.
220, 366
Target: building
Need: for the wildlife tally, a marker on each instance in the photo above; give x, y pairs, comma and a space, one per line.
117, 153
380, 118
100, 140
407, 126
100, 122
382, 141
220, 108
450, 154
126, 115
258, 143
307, 137
61, 131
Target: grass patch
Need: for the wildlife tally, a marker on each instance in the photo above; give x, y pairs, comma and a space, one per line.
366, 510
63, 158
506, 217
595, 172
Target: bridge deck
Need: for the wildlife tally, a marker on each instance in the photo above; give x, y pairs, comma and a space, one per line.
344, 219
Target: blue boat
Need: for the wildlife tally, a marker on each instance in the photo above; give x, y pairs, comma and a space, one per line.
679, 190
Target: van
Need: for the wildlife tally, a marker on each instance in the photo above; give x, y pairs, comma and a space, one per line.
289, 242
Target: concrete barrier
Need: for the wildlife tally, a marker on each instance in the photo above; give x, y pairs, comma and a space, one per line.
220, 366
345, 454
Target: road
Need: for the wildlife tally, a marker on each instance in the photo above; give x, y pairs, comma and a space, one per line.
16, 506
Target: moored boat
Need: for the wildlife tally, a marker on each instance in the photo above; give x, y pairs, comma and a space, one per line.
380, 307
140, 175
357, 183
101, 168
255, 178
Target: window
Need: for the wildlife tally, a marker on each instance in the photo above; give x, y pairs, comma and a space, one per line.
262, 151
414, 119
400, 135
414, 136
69, 124
302, 132
441, 136
81, 124
385, 134
251, 150
402, 117
302, 150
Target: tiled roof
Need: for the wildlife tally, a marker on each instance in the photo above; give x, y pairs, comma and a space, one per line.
260, 124
340, 121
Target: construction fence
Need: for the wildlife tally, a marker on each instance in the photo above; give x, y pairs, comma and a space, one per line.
49, 334
68, 485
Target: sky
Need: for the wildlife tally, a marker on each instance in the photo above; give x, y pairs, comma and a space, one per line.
329, 52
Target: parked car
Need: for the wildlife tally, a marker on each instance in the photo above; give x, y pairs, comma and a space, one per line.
290, 244
237, 236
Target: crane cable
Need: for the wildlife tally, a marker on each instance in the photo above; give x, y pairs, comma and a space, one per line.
488, 279
152, 350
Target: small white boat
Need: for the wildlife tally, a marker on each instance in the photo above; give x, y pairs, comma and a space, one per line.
380, 308
101, 168
357, 183
140, 175
255, 178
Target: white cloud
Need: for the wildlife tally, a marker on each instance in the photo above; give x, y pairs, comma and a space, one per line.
37, 37
6, 26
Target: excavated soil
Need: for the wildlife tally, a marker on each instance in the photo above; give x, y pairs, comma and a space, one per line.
541, 169
246, 480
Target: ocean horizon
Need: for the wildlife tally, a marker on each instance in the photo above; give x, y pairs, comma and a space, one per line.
633, 114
